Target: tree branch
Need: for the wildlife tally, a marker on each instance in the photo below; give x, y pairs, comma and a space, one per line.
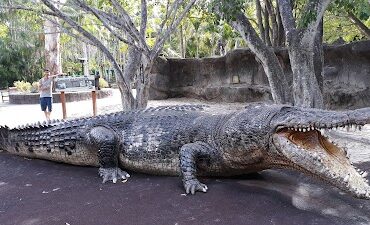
269, 61
105, 22
89, 36
322, 5
18, 7
286, 14
144, 17
363, 28
168, 14
160, 41
127, 19
259, 18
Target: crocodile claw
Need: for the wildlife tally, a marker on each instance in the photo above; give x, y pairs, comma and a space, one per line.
113, 174
191, 186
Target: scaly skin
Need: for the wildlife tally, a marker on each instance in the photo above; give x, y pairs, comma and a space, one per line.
184, 140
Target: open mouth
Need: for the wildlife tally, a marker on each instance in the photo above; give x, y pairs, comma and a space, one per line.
309, 150
311, 140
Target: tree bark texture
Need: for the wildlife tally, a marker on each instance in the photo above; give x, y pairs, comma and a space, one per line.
270, 63
281, 33
306, 90
267, 27
142, 91
318, 57
273, 22
259, 20
302, 45
52, 48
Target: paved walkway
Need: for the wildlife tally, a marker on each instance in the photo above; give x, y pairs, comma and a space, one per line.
13, 115
38, 192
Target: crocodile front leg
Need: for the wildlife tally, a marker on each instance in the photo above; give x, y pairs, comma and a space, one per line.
189, 155
106, 140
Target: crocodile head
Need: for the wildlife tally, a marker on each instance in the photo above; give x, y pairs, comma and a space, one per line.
300, 143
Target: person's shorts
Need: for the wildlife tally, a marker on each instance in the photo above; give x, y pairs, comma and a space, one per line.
45, 102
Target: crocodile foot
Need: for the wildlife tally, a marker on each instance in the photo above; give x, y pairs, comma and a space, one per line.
191, 186
113, 174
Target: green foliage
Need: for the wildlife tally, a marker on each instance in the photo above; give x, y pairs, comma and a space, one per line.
340, 28
361, 8
337, 24
307, 18
20, 47
18, 63
227, 9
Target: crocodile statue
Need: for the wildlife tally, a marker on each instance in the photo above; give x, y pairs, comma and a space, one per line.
189, 142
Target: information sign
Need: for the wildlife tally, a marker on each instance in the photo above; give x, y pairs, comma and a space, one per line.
70, 84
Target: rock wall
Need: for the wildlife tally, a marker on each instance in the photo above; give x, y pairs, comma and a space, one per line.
238, 77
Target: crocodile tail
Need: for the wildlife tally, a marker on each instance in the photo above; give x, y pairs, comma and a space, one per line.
4, 134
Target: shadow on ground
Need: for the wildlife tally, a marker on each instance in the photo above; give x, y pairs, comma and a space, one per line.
41, 192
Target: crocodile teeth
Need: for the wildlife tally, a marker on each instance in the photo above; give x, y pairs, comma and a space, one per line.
364, 174
346, 178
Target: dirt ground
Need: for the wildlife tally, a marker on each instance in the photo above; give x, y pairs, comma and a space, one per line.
41, 192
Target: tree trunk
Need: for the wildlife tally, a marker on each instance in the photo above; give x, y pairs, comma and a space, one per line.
281, 33
259, 19
318, 57
127, 99
143, 85
306, 90
130, 71
273, 22
52, 48
278, 83
267, 27
182, 46
303, 47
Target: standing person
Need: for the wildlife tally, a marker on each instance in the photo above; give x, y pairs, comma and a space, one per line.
46, 96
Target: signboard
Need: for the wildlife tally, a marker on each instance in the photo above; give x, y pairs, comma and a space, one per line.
68, 84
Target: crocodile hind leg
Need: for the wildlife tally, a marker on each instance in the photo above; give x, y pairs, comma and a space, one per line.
106, 141
190, 154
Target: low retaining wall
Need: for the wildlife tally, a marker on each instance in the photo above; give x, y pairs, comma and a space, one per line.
238, 77
34, 98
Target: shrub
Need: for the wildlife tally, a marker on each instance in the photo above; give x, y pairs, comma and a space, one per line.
35, 87
103, 83
23, 86
19, 62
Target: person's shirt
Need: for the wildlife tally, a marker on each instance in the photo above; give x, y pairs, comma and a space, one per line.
46, 87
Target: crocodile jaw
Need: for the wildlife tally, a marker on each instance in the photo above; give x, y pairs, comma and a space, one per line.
312, 153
